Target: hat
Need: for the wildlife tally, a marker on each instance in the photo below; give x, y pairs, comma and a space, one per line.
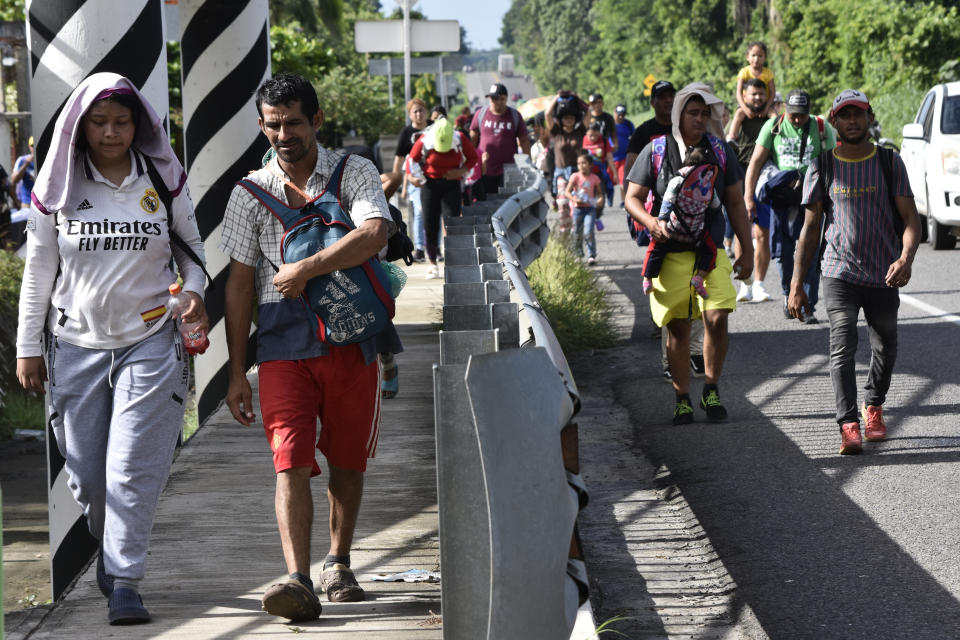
620, 108
593, 97
850, 97
660, 87
442, 131
798, 102
777, 98
30, 141
497, 89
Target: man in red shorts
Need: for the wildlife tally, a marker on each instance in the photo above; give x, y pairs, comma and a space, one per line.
302, 379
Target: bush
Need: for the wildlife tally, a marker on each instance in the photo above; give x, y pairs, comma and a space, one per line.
572, 298
11, 273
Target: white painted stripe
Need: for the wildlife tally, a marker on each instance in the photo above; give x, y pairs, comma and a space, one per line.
223, 55
233, 138
64, 510
207, 365
929, 308
156, 89
82, 43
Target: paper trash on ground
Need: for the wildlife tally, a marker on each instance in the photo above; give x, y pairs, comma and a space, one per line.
410, 575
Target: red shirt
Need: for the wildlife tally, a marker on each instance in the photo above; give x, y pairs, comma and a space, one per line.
436, 164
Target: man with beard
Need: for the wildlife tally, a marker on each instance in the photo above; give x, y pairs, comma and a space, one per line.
301, 378
744, 131
791, 142
871, 237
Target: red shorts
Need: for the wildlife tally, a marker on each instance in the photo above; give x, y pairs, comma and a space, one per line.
339, 389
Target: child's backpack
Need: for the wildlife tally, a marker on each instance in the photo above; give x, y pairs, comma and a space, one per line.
692, 200
351, 305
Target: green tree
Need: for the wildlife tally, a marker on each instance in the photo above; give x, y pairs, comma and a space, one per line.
12, 10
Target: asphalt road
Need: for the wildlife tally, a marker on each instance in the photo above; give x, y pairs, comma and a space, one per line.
479, 82
820, 546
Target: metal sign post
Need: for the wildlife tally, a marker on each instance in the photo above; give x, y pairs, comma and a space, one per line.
407, 36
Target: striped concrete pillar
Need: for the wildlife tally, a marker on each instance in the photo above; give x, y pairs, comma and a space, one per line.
225, 51
68, 41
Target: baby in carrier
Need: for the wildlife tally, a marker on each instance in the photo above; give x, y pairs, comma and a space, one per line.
690, 199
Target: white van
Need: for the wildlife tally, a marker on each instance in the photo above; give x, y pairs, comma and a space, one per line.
931, 153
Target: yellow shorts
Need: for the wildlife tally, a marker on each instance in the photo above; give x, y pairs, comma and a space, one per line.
674, 297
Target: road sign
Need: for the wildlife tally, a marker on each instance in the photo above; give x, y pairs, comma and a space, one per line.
425, 64
648, 82
381, 36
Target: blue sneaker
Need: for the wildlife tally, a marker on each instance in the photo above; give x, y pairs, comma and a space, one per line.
126, 607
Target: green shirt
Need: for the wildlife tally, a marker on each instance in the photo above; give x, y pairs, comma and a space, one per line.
785, 147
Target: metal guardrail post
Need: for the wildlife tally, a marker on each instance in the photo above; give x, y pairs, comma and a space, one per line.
508, 495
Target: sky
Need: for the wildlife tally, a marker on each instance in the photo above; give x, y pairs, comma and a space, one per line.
482, 19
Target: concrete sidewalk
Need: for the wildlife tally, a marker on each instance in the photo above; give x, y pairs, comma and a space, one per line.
215, 546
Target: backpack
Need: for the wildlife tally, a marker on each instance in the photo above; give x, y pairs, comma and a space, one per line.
167, 199
665, 154
691, 202
885, 157
350, 305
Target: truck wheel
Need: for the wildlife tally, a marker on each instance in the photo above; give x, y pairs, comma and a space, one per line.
924, 231
940, 237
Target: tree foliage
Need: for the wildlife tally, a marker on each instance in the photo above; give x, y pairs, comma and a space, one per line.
891, 49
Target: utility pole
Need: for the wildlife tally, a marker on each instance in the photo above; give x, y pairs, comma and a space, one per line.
406, 5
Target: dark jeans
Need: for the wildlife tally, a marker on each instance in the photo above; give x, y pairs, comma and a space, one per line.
811, 284
438, 197
880, 305
487, 186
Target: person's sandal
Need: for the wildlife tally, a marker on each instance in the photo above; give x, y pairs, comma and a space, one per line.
390, 388
340, 585
292, 600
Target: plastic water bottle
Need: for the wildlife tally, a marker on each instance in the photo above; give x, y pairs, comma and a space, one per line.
195, 339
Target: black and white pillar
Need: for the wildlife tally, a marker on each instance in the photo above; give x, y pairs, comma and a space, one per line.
225, 56
68, 41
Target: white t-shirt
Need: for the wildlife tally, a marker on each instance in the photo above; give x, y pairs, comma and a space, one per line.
98, 270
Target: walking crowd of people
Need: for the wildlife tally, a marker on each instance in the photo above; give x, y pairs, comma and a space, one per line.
112, 227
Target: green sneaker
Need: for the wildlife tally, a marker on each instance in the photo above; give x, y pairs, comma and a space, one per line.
710, 402
683, 412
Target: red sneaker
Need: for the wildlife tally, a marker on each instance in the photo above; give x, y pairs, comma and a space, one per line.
850, 442
875, 429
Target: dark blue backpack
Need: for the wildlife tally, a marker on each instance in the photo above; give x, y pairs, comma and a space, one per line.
351, 305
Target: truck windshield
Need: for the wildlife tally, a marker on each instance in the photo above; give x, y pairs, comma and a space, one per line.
950, 119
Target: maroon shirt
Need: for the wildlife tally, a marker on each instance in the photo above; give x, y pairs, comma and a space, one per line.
861, 241
498, 137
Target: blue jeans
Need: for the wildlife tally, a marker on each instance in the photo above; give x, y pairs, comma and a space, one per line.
880, 304
811, 284
584, 221
413, 196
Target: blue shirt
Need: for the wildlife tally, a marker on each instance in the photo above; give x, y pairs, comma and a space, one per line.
625, 129
25, 186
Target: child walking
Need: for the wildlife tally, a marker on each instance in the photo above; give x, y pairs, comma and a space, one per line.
690, 198
756, 58
584, 192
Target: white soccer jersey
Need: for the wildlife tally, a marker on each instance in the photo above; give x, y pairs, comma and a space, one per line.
98, 270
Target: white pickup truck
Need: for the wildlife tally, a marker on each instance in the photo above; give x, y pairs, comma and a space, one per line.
931, 153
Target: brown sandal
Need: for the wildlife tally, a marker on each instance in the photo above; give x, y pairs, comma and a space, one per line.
340, 584
291, 600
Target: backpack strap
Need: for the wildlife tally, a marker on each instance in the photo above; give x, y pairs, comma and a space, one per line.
167, 199
825, 170
885, 157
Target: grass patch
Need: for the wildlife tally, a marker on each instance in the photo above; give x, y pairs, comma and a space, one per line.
21, 410
572, 298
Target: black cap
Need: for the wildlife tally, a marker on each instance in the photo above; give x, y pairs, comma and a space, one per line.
497, 90
798, 102
593, 97
661, 86
620, 108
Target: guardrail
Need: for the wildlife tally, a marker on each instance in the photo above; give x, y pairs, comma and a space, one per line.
508, 478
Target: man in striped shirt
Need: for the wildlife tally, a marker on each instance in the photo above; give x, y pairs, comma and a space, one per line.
871, 238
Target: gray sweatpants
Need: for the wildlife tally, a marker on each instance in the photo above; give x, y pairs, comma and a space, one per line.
116, 414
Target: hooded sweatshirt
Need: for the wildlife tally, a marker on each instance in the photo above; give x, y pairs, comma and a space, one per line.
99, 254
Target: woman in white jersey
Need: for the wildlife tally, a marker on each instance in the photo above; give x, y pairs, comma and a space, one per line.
93, 301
